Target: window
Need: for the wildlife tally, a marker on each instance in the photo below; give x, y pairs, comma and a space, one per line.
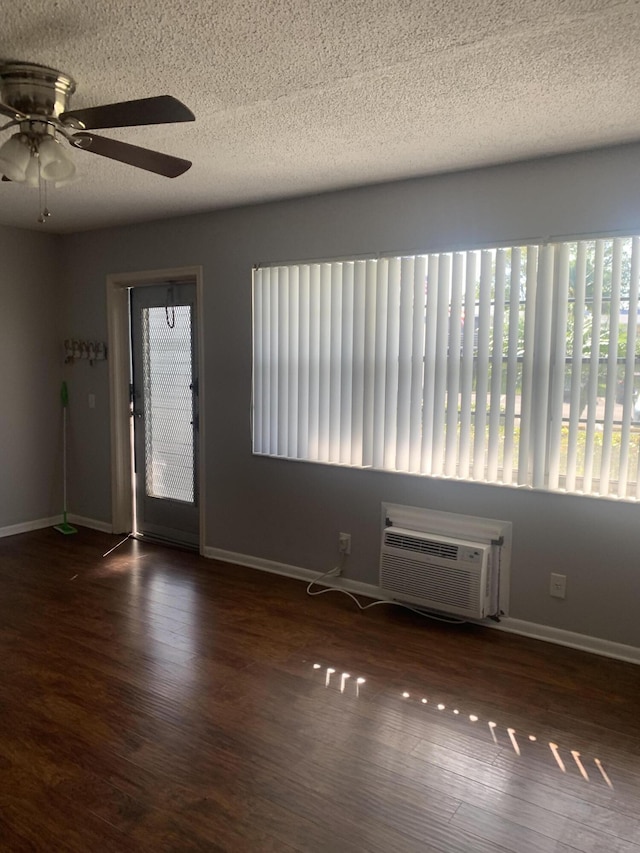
513, 365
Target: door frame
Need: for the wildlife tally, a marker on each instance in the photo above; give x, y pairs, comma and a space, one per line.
119, 348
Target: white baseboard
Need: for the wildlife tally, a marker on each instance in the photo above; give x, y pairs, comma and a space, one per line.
28, 526
41, 523
583, 642
296, 572
92, 523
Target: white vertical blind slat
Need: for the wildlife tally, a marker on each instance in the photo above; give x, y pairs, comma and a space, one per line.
466, 366
314, 362
292, 403
391, 358
359, 316
579, 292
524, 449
324, 414
405, 372
380, 364
258, 355
632, 358
429, 363
482, 367
273, 362
369, 362
346, 364
417, 362
282, 358
266, 361
304, 347
612, 368
495, 408
440, 364
512, 366
594, 365
558, 367
453, 372
629, 370
542, 356
335, 362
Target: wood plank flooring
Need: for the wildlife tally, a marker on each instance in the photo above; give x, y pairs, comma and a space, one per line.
152, 700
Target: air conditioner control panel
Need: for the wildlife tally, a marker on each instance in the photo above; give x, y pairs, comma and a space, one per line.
470, 554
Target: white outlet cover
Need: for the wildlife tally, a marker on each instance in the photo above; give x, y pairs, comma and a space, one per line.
558, 585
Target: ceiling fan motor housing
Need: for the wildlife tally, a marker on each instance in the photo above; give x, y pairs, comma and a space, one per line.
36, 98
35, 89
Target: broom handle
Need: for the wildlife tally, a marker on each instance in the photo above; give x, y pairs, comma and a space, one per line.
64, 463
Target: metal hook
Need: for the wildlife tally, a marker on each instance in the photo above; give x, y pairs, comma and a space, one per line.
170, 323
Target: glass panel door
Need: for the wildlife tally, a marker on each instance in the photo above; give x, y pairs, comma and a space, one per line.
165, 409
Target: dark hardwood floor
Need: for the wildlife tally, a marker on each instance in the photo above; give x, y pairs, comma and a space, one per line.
152, 700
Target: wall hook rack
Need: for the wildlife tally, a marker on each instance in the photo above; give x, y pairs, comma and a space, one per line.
77, 350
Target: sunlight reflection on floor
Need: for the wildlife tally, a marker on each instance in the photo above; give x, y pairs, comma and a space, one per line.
493, 728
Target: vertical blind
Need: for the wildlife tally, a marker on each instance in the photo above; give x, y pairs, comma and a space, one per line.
507, 365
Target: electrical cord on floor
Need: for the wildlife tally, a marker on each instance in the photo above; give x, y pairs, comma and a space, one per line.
111, 550
338, 570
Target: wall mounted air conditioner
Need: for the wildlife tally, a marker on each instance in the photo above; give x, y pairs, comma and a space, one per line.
436, 572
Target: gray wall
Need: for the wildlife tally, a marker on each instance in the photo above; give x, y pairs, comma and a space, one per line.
291, 512
30, 375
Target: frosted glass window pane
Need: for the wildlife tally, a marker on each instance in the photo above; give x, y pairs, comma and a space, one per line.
168, 403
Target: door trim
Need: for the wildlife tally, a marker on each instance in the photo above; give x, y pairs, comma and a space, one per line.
118, 341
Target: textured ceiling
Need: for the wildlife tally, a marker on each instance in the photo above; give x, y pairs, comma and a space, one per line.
299, 96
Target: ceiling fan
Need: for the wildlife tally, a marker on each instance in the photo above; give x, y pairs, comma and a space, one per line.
35, 98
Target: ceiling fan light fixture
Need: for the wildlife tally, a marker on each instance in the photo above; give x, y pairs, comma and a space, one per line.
14, 157
55, 163
32, 173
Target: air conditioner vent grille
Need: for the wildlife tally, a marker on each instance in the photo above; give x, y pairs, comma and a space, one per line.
459, 590
406, 542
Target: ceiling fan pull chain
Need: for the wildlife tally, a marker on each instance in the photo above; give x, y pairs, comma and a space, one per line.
45, 211
41, 218
170, 323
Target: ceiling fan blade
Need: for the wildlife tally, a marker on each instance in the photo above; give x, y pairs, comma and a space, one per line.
142, 158
16, 115
160, 110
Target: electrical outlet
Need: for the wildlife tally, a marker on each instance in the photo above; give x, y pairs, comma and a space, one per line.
344, 543
558, 585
